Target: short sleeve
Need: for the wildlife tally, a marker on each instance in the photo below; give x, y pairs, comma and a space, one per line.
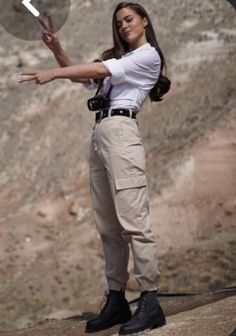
91, 86
140, 69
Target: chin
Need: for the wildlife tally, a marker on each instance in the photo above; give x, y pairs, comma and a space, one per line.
129, 39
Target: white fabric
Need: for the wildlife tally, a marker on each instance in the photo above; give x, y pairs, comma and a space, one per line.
91, 86
132, 77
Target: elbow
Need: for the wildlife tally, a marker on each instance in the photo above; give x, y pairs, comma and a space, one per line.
101, 71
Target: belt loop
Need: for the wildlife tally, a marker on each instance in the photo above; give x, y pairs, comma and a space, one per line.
130, 113
109, 112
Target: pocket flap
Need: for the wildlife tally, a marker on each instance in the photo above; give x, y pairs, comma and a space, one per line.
131, 182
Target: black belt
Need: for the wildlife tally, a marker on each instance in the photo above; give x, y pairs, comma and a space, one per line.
115, 112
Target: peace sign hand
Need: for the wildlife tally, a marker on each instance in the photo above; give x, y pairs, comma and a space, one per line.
49, 36
40, 77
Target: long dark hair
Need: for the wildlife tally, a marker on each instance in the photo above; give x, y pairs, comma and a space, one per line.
162, 86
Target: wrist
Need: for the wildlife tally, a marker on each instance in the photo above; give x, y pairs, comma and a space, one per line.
55, 74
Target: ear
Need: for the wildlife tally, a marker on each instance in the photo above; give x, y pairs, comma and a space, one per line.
145, 22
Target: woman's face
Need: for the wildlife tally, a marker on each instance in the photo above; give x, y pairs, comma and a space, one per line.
131, 27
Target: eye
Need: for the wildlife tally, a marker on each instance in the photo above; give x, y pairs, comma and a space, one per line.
129, 19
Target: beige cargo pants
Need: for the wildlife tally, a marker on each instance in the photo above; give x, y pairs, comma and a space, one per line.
121, 203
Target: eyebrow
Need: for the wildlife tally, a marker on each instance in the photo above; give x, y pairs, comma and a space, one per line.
126, 17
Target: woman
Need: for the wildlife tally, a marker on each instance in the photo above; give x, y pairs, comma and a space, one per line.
129, 72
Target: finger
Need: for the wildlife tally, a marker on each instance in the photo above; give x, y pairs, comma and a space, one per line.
47, 37
43, 24
27, 73
50, 23
26, 79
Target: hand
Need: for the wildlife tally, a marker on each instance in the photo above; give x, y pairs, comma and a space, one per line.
49, 36
40, 77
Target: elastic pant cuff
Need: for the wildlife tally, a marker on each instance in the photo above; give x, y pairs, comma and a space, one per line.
112, 285
150, 288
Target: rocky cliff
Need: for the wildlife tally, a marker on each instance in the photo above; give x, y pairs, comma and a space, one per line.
51, 260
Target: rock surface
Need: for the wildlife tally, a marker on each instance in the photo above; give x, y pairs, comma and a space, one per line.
214, 319
51, 258
217, 319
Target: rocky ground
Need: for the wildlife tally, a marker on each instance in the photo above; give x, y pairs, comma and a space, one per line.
211, 315
51, 260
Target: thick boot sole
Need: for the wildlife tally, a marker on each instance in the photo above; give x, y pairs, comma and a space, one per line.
108, 324
155, 325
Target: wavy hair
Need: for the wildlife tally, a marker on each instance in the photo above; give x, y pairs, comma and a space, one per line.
120, 47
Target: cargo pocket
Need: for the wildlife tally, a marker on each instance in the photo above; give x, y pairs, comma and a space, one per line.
131, 182
132, 205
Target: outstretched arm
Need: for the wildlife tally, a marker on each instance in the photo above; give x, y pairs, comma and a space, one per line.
94, 70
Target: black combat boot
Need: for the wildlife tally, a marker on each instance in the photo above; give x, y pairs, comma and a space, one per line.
115, 311
148, 315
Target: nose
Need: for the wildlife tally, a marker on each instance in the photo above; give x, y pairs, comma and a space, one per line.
124, 25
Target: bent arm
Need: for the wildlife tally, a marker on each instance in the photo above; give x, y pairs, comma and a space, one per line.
51, 40
62, 58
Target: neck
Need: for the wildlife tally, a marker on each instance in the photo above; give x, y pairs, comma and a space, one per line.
138, 44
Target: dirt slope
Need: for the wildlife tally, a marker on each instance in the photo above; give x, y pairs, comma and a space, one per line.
212, 319
51, 259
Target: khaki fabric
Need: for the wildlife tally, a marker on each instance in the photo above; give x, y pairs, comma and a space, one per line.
121, 203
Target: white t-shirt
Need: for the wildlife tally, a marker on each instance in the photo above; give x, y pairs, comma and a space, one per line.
132, 77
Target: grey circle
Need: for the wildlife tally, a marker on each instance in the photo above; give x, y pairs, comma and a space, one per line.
19, 21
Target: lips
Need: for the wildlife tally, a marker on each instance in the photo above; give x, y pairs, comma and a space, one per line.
127, 33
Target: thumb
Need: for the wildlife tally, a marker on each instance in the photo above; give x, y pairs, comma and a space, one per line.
47, 37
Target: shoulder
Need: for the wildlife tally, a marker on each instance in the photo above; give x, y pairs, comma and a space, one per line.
147, 55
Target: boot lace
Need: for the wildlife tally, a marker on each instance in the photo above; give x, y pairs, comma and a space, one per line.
108, 299
141, 306
105, 301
